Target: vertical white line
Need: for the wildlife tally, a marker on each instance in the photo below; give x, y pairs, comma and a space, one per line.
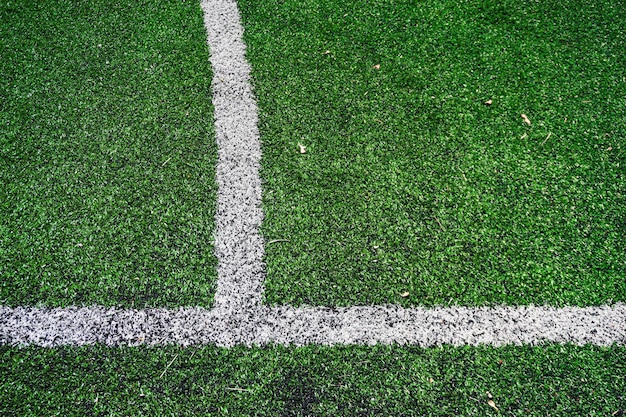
239, 317
238, 244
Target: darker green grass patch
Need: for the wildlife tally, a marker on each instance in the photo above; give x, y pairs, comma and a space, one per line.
107, 154
420, 174
550, 380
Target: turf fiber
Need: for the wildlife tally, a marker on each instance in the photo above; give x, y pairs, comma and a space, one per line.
420, 175
107, 154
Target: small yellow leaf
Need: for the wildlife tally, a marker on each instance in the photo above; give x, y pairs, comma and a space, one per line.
404, 294
492, 404
377, 66
327, 52
302, 148
526, 119
489, 102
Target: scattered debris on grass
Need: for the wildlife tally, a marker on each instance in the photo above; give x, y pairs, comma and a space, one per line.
463, 174
492, 404
404, 294
238, 389
526, 119
377, 66
440, 225
546, 139
277, 240
489, 102
168, 366
302, 148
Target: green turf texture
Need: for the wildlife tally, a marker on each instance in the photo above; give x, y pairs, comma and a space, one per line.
107, 154
410, 181
552, 380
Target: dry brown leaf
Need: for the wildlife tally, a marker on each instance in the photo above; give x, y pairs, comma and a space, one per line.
492, 404
404, 294
302, 148
526, 119
489, 102
377, 66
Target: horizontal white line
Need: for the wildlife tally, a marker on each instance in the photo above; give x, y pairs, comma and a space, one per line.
238, 316
495, 326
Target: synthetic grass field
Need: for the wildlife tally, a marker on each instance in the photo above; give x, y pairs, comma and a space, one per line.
313, 381
549, 379
107, 153
411, 182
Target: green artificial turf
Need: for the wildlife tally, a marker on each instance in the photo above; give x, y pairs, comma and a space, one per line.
107, 154
552, 380
411, 181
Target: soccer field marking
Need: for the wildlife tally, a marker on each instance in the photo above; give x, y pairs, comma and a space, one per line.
238, 316
238, 244
495, 326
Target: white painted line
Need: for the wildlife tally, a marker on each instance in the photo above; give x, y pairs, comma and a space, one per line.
495, 326
238, 316
238, 244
